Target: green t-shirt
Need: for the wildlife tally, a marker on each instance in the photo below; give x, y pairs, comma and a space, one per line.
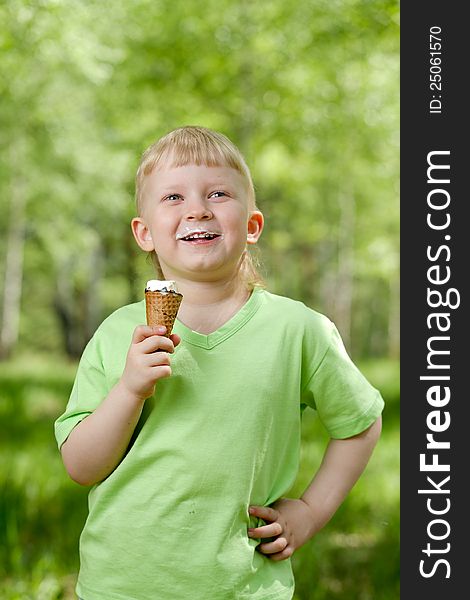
221, 433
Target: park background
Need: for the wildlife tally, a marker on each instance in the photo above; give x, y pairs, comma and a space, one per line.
309, 92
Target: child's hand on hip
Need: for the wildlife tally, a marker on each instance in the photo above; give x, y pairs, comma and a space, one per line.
290, 522
148, 360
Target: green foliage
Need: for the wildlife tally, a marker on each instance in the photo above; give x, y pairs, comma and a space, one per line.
42, 512
309, 92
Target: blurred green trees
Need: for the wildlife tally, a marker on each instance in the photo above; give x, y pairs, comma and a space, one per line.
307, 90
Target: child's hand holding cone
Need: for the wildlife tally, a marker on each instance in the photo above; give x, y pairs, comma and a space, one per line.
148, 358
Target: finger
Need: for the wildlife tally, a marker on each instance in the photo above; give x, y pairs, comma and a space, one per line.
265, 531
158, 359
156, 342
175, 338
286, 553
162, 371
264, 512
144, 331
278, 545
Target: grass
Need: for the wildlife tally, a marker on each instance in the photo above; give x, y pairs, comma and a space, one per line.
355, 557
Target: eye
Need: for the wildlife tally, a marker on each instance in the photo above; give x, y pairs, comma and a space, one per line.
217, 194
173, 197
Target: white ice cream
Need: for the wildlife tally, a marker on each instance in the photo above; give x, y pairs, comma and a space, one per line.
156, 285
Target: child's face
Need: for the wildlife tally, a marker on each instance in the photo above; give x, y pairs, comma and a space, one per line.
198, 221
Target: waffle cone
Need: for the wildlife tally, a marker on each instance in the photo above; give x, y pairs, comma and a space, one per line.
162, 308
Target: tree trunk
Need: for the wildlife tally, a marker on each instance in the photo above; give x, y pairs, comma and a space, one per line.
13, 275
65, 305
325, 298
93, 308
78, 307
345, 272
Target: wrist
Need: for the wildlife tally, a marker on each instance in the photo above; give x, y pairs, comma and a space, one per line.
128, 395
314, 522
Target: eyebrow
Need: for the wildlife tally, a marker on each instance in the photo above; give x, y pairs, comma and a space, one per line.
170, 188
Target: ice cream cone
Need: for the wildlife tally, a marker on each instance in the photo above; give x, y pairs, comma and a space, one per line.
162, 308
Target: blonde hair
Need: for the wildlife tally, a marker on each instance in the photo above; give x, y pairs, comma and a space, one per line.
192, 145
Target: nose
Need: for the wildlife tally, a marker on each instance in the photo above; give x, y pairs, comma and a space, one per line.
197, 210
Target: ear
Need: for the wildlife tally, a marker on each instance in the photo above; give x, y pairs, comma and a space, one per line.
255, 227
142, 234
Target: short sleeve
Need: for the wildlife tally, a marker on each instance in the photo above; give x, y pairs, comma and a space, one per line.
345, 401
88, 391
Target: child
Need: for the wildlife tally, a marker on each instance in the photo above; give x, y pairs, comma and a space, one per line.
190, 449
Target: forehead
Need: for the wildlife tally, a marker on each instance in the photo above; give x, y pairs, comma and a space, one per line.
167, 175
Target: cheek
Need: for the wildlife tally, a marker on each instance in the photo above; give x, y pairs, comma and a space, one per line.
238, 231
161, 222
238, 221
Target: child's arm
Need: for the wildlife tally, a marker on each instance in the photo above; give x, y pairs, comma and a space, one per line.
97, 444
294, 522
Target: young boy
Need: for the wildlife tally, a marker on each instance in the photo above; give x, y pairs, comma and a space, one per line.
190, 448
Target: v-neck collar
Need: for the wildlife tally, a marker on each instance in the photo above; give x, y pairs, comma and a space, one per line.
227, 329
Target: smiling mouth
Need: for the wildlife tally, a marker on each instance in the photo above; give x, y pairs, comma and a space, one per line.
198, 236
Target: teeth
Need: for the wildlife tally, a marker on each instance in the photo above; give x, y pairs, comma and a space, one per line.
198, 236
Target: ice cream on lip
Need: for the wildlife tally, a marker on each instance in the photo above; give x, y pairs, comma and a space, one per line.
197, 232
